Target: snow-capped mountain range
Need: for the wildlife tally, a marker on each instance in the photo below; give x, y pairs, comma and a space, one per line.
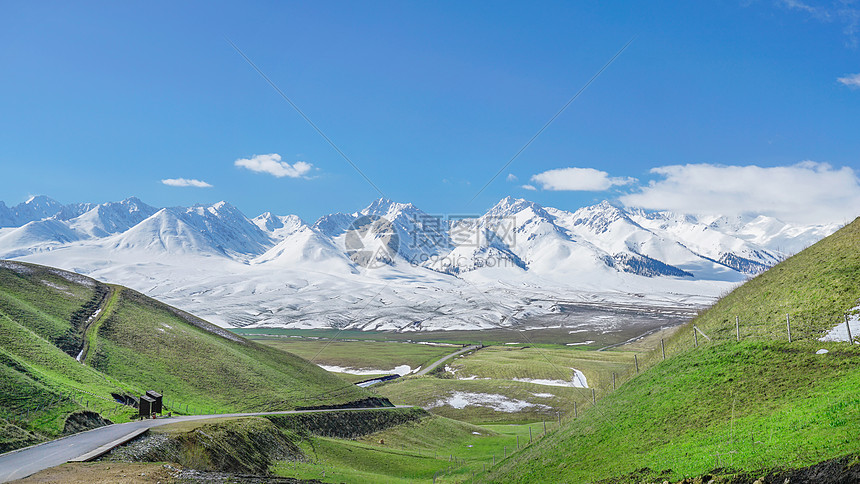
393, 266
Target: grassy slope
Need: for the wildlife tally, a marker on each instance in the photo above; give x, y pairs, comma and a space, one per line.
146, 343
816, 288
43, 301
412, 452
496, 367
41, 384
359, 355
753, 405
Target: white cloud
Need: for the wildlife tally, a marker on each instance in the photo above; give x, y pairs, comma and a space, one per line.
839, 11
529, 187
851, 80
511, 177
185, 182
798, 5
578, 179
273, 165
808, 192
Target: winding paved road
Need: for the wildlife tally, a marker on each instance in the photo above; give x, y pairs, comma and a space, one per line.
24, 462
446, 358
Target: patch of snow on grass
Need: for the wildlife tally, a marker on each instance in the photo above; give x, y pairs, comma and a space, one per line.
19, 268
58, 287
73, 277
581, 343
499, 403
400, 370
543, 395
578, 381
821, 351
840, 332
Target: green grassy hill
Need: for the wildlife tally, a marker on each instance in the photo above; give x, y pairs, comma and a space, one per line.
726, 407
129, 344
816, 287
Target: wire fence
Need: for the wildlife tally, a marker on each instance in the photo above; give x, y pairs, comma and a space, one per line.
754, 448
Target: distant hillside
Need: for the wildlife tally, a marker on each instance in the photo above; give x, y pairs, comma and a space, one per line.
130, 343
732, 409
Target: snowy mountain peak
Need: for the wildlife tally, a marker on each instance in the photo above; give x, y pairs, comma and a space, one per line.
222, 205
108, 218
601, 216
134, 204
279, 226
510, 206
218, 209
43, 201
226, 211
268, 221
165, 232
384, 207
39, 207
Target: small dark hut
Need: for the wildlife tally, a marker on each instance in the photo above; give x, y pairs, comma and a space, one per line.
146, 404
157, 405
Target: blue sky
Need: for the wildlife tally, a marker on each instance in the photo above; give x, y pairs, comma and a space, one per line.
726, 106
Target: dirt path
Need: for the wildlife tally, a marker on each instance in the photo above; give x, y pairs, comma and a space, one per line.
446, 358
92, 323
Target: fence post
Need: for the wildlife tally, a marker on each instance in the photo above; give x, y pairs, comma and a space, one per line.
738, 328
663, 349
848, 327
518, 442
593, 398
530, 434
558, 414
788, 325
695, 338
574, 410
636, 361
544, 427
